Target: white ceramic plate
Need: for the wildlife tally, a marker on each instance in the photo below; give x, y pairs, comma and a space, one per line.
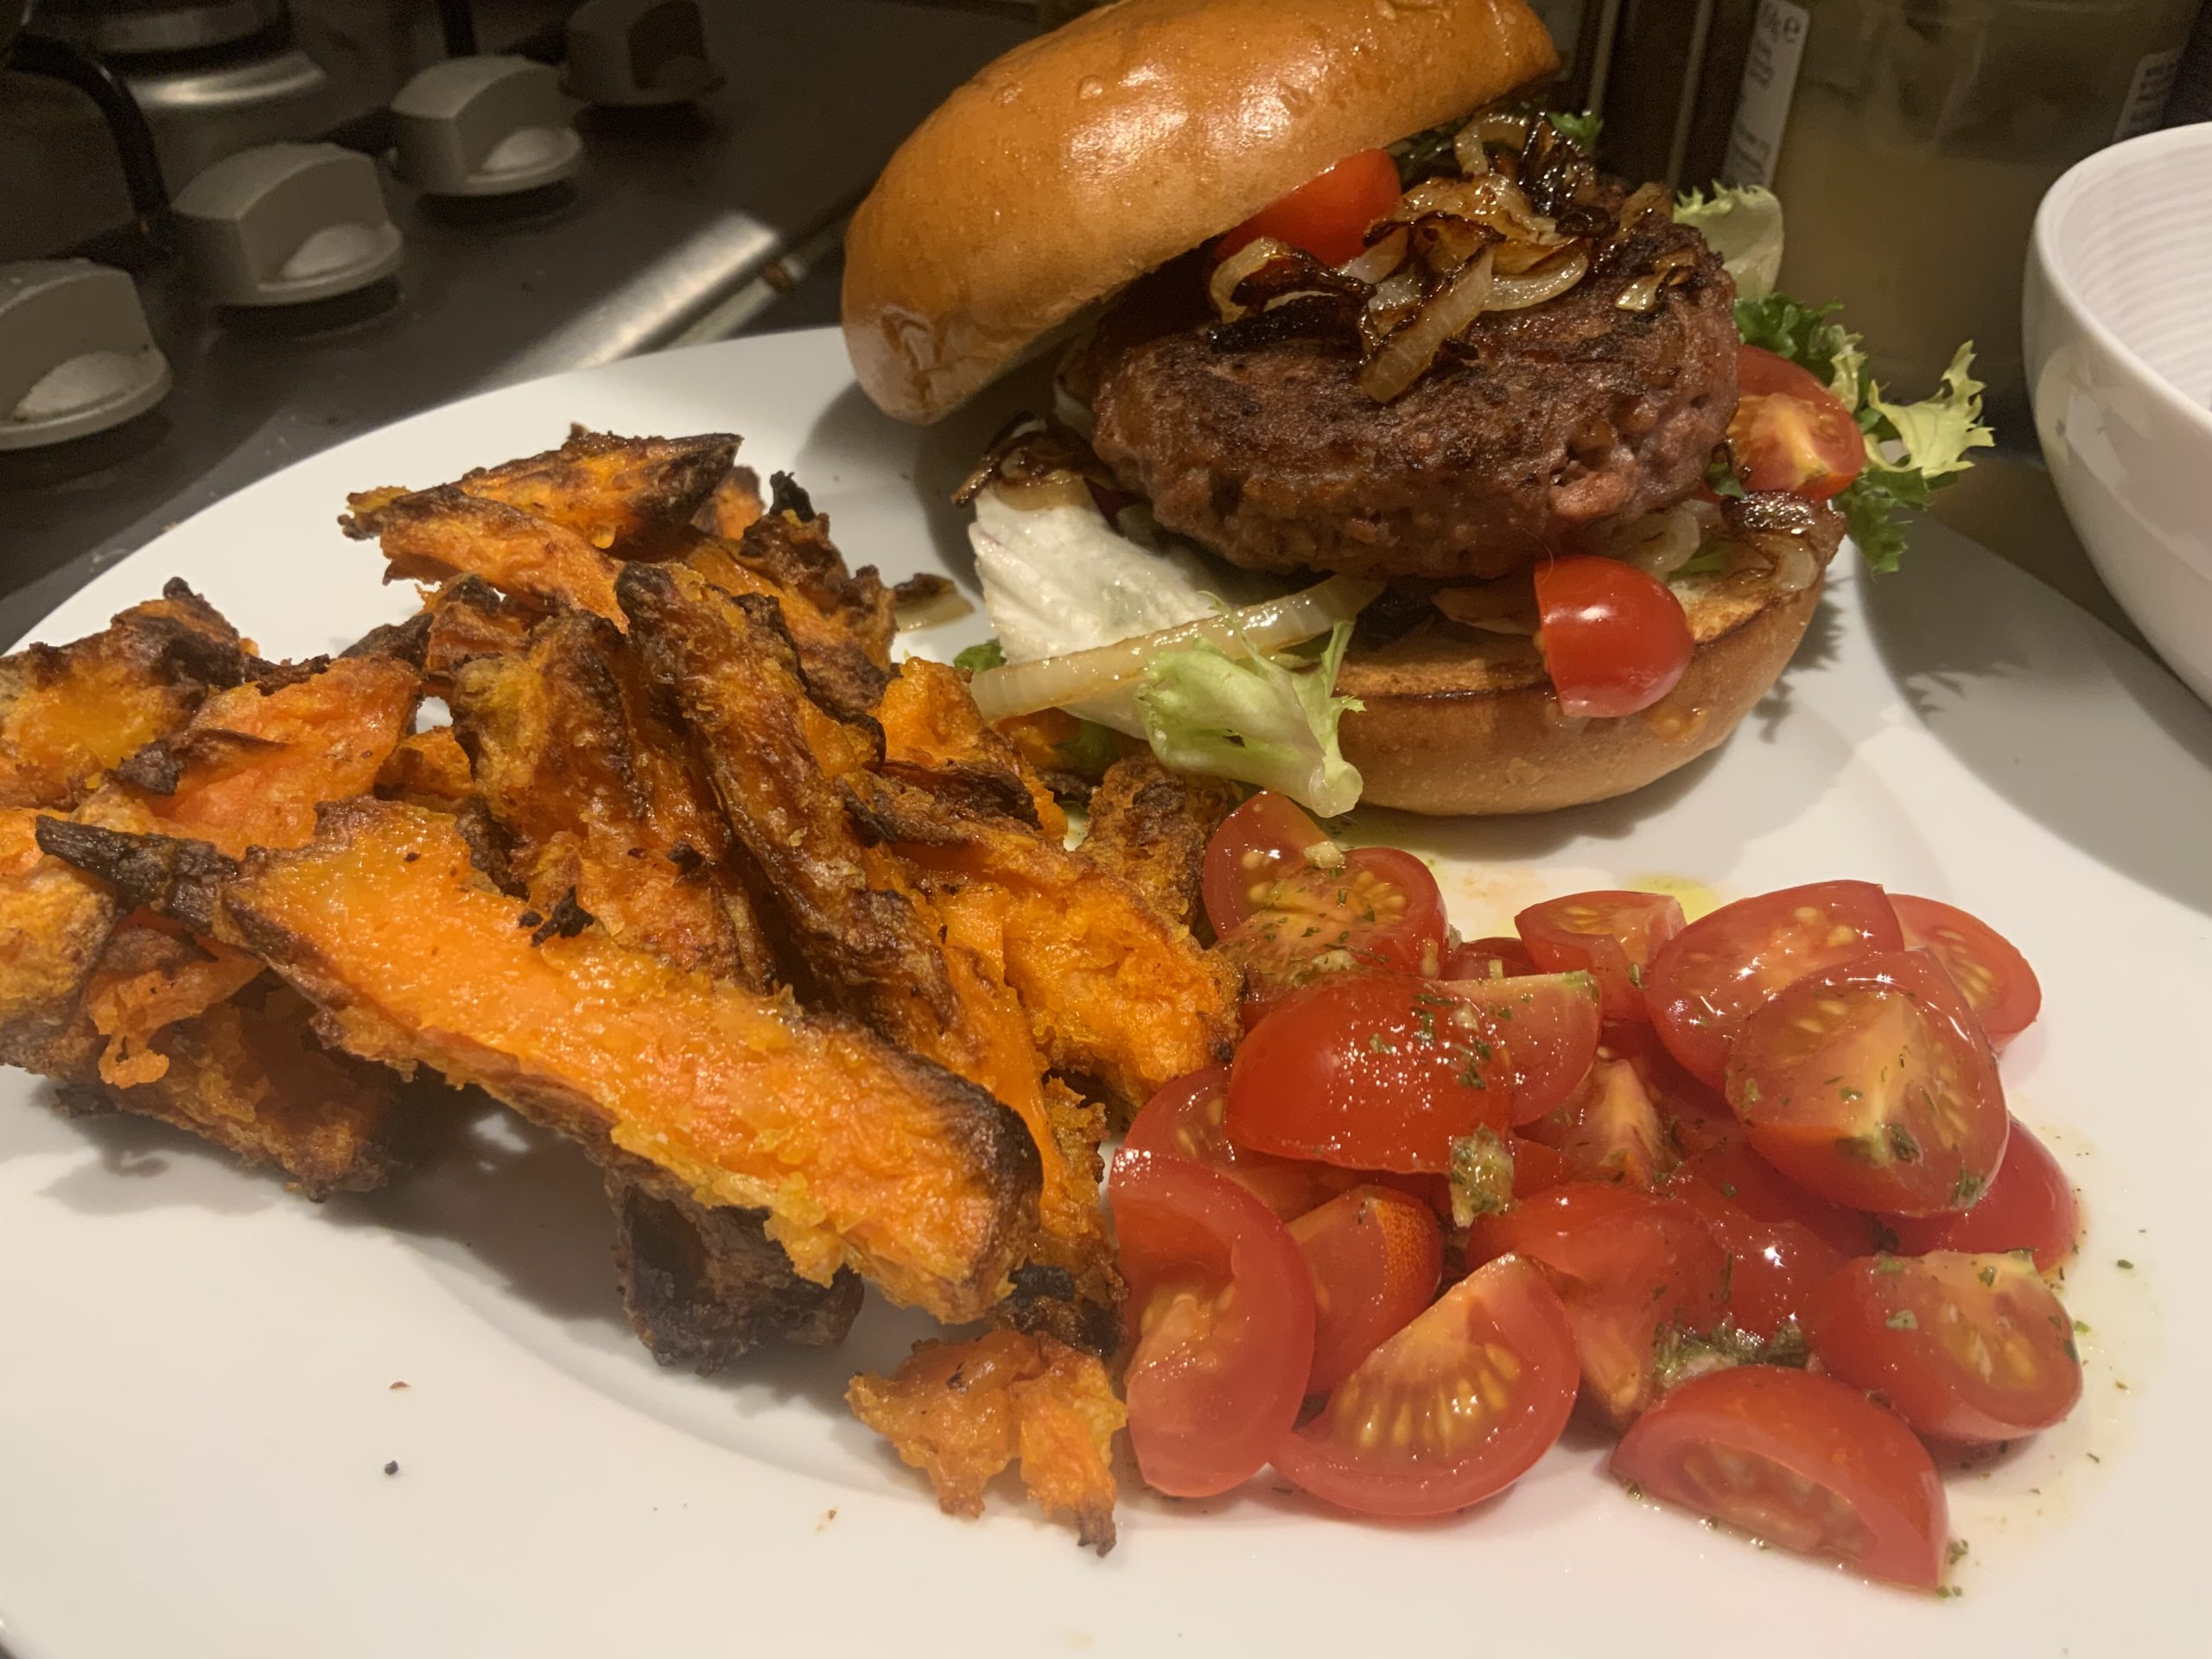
196, 1405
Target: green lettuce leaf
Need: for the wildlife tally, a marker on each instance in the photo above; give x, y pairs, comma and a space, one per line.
1268, 720
1743, 226
976, 658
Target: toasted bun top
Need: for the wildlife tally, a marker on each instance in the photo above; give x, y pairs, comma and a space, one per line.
1081, 160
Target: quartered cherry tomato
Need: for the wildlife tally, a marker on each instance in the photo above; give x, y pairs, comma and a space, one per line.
1765, 1194
1970, 1349
1614, 639
1375, 1254
1774, 1266
1709, 977
1871, 1085
1261, 841
1372, 1072
1790, 431
1328, 215
1995, 978
1609, 1129
1452, 1410
1614, 935
1223, 1306
1376, 909
1626, 1264
1550, 1023
1188, 1119
2030, 1205
1799, 1460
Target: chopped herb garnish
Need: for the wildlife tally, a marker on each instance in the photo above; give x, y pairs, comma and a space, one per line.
1902, 1320
976, 658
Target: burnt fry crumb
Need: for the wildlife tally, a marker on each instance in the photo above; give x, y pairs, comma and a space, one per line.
569, 918
393, 1468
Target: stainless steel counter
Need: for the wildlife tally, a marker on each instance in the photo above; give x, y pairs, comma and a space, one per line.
684, 224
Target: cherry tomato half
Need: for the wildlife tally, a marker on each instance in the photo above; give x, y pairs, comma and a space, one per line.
1223, 1310
1764, 1193
1373, 1071
1379, 909
1328, 215
1614, 935
1262, 841
1626, 1264
1790, 431
1614, 639
1375, 1254
1970, 1349
1871, 1085
1453, 1409
1550, 1022
1999, 986
1188, 1119
1799, 1460
2030, 1205
1710, 976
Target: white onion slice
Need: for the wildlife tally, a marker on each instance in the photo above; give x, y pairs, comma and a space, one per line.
1659, 543
1379, 260
1081, 676
1546, 282
1405, 357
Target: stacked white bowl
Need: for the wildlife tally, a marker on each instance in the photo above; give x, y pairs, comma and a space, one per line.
2118, 335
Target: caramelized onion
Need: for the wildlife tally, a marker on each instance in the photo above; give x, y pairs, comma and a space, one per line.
1380, 259
1471, 151
1405, 356
1545, 282
1220, 286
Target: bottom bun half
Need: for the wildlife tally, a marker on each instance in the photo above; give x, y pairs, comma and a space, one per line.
1454, 723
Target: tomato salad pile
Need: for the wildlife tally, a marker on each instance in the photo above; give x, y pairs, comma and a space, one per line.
1747, 1187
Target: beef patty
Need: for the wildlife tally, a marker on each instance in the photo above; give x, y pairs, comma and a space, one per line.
1563, 421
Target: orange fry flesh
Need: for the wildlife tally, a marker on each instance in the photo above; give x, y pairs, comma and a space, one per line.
862, 1155
962, 1412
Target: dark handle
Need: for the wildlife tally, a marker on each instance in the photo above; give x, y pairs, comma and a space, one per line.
460, 20
36, 55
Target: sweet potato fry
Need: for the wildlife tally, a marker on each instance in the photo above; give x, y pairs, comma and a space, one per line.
427, 769
53, 922
1150, 827
783, 770
704, 1285
962, 1412
249, 1075
1115, 992
605, 801
69, 712
863, 1155
935, 737
152, 975
435, 535
468, 620
625, 496
734, 505
253, 764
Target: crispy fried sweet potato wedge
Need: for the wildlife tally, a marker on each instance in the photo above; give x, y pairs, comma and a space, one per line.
253, 764
863, 1155
704, 1285
69, 712
605, 801
427, 769
626, 496
249, 1075
55, 921
437, 535
962, 1412
784, 771
934, 736
1114, 991
735, 505
1150, 827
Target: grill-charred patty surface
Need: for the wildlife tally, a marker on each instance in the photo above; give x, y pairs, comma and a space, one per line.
1547, 427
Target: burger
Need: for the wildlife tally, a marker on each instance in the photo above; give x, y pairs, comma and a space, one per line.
1396, 450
